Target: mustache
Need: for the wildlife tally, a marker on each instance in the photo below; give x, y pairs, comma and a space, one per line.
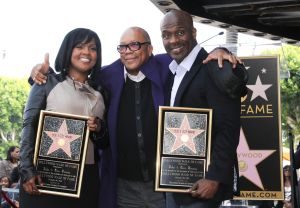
175, 46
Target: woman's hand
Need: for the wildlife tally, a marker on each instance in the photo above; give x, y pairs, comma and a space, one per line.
94, 124
30, 185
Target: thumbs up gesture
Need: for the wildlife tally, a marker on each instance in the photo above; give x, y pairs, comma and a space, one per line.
39, 71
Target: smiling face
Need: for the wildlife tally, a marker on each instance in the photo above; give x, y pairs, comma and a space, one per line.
84, 57
133, 60
178, 34
5, 182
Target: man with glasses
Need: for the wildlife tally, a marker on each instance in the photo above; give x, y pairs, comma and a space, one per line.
135, 84
135, 90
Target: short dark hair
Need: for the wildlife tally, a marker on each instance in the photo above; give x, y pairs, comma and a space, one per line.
73, 38
9, 151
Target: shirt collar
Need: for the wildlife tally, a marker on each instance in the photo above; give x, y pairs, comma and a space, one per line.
84, 87
187, 62
136, 78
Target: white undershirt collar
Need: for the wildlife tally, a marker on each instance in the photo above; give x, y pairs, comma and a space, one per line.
136, 78
181, 69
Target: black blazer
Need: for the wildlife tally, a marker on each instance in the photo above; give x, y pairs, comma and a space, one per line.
198, 89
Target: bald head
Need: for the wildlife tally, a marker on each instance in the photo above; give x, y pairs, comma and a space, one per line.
180, 16
136, 31
178, 34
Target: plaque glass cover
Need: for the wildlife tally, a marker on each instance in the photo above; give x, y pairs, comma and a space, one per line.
183, 147
60, 152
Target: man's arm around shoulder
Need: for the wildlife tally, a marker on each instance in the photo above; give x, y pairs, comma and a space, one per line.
229, 81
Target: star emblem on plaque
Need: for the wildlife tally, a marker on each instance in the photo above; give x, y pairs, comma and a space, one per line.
185, 138
59, 142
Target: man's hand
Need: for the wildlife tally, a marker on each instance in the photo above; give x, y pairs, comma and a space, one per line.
30, 185
204, 189
221, 55
39, 71
287, 204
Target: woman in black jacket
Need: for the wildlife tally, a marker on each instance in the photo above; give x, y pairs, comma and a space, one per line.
70, 92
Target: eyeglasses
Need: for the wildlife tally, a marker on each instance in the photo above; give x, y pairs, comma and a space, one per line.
133, 46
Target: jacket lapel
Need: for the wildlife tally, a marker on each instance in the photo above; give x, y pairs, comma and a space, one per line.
189, 76
168, 90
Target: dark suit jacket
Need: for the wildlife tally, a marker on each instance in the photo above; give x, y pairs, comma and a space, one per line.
199, 90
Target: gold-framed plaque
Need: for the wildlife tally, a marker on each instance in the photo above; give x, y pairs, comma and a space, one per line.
60, 152
183, 147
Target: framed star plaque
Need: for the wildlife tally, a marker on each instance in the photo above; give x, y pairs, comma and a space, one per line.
60, 152
183, 147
